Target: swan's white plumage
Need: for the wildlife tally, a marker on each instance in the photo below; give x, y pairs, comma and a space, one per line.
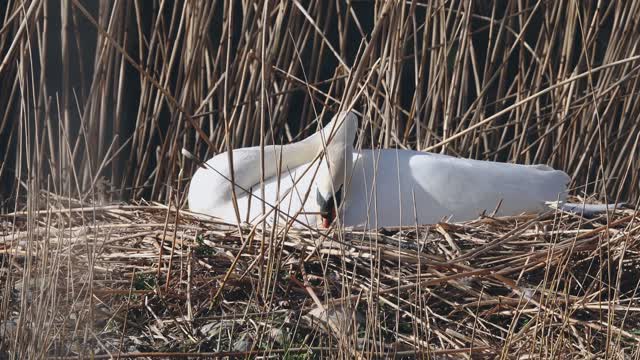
416, 187
385, 187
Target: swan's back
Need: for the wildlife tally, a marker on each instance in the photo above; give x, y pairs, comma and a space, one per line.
415, 187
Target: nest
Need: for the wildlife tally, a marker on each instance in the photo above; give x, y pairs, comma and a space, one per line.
147, 281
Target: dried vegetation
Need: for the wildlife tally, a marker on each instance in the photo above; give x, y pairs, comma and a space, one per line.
98, 98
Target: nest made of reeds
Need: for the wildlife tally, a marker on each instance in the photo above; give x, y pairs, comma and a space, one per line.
146, 280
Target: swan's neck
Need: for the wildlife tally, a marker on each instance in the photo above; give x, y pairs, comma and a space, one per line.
280, 158
277, 159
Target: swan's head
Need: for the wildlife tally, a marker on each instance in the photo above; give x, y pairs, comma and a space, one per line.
336, 165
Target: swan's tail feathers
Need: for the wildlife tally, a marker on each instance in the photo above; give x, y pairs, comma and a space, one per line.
585, 209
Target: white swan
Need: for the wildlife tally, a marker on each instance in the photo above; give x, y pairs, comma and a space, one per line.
381, 188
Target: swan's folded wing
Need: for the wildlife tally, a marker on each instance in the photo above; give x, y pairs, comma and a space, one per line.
467, 187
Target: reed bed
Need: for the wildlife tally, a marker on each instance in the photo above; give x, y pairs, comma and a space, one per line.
100, 258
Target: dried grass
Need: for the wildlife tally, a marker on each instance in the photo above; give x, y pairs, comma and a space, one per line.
98, 98
85, 282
